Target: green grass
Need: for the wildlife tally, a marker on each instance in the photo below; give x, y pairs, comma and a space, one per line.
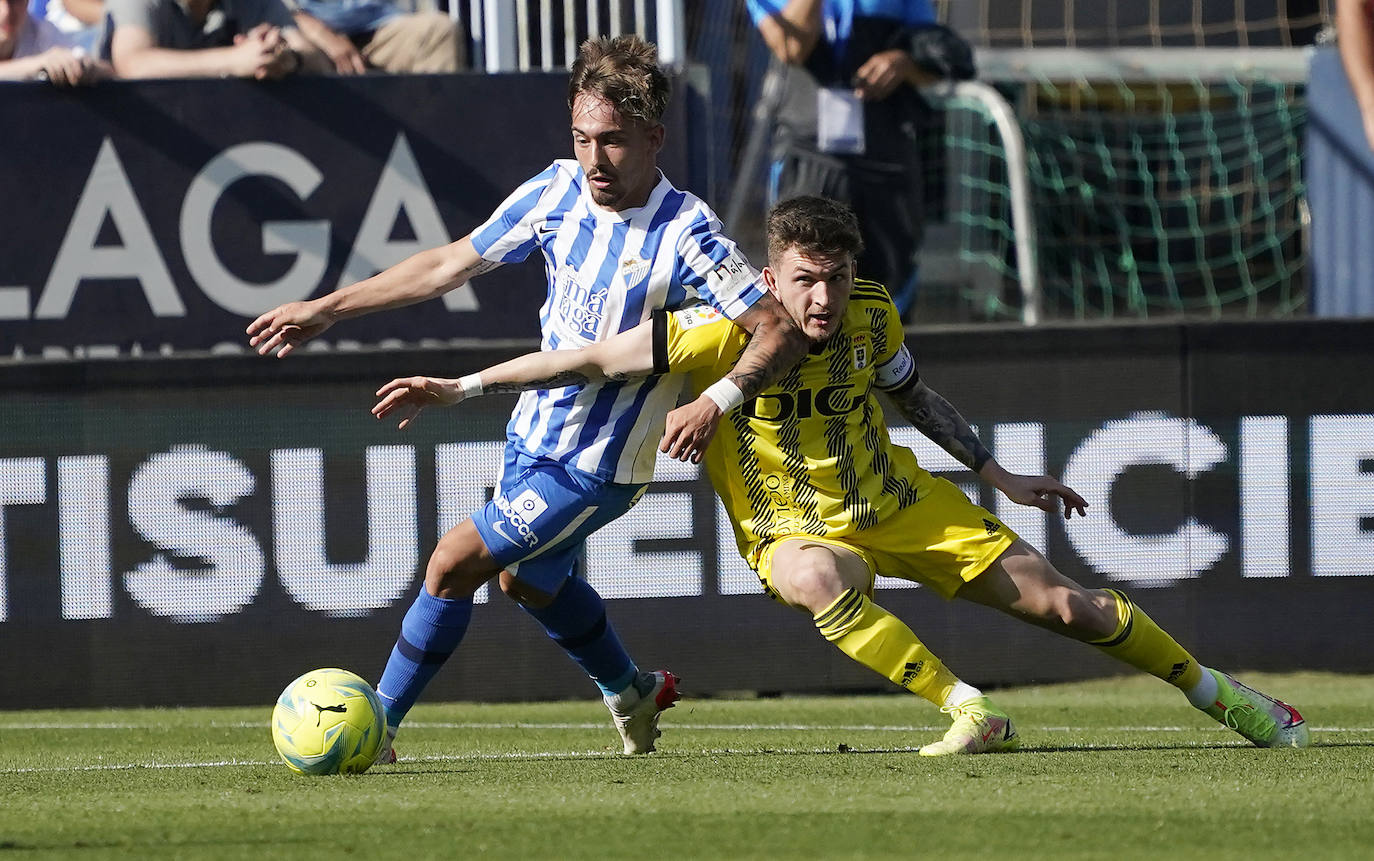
1112, 769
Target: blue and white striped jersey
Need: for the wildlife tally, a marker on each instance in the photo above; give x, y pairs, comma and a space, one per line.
608, 272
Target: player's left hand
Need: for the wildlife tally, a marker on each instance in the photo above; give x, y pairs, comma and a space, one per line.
1043, 492
689, 429
407, 396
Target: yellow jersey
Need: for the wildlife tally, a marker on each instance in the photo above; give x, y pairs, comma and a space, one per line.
811, 454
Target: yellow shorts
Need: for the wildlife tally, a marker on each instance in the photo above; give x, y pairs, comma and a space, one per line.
943, 541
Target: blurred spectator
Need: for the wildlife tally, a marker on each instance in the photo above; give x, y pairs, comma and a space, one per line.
79, 19
850, 117
1355, 37
32, 49
207, 38
358, 35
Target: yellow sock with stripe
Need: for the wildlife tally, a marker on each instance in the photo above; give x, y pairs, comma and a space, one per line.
883, 643
1140, 642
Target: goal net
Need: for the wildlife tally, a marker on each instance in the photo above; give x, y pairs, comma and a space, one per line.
1160, 181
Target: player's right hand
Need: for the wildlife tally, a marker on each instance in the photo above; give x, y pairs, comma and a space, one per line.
283, 329
407, 396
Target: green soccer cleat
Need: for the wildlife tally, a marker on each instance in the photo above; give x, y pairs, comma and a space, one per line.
979, 727
1263, 720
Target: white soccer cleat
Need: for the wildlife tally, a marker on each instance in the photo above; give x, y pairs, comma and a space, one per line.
638, 725
386, 755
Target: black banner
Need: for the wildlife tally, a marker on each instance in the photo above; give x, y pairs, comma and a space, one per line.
199, 531
158, 217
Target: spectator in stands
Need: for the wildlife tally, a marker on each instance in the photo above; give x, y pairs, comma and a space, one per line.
850, 115
32, 49
79, 19
358, 35
1355, 36
207, 39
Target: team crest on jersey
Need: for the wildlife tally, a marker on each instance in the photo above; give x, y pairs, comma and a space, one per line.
633, 269
862, 350
696, 315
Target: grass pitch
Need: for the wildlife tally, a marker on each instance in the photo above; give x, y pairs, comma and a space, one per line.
1113, 769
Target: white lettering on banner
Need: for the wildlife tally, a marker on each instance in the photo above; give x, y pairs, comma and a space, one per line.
617, 569
205, 564
83, 536
1264, 496
308, 241
353, 588
465, 474
23, 481
1143, 439
109, 195
232, 566
401, 188
108, 192
1342, 495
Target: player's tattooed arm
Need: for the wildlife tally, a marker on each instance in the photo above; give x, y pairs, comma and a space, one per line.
937, 418
552, 381
776, 344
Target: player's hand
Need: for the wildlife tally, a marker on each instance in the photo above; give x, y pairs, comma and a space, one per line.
1043, 492
283, 329
689, 429
407, 396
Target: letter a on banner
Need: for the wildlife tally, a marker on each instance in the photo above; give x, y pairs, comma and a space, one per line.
108, 191
400, 187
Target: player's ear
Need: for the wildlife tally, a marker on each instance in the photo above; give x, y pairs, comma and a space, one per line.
656, 135
770, 280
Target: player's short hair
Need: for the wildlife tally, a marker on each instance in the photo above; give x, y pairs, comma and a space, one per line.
625, 72
815, 225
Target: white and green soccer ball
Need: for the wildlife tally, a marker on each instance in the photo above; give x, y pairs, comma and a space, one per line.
328, 721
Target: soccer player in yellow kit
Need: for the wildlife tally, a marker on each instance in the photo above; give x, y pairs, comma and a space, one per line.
822, 501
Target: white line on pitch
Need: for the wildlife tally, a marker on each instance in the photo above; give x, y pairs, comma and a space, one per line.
519, 756
519, 725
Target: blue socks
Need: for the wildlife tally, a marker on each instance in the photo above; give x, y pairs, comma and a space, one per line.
576, 620
430, 631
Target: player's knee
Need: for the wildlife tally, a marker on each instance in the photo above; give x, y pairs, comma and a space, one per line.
1089, 614
810, 584
457, 568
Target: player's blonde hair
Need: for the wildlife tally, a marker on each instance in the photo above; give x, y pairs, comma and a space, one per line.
625, 72
816, 225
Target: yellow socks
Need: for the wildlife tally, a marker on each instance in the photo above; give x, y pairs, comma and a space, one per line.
1138, 641
883, 643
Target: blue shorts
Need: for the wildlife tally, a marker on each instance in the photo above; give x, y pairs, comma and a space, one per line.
542, 513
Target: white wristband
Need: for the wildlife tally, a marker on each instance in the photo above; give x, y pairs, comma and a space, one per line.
471, 385
725, 393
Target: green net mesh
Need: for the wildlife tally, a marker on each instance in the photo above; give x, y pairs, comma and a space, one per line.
1148, 199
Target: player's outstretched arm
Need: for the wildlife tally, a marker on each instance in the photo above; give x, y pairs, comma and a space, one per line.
937, 418
627, 355
419, 277
775, 345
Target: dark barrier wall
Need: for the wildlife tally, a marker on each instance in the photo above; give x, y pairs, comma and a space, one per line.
148, 217
198, 531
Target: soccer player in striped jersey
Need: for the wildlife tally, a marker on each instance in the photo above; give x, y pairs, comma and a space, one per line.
619, 243
822, 501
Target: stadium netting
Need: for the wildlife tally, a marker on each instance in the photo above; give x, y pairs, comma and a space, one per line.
1177, 195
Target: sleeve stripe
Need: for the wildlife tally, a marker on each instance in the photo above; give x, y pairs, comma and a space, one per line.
660, 342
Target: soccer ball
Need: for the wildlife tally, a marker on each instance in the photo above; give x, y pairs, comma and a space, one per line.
328, 722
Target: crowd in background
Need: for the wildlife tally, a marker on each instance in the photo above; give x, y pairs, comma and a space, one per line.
74, 42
